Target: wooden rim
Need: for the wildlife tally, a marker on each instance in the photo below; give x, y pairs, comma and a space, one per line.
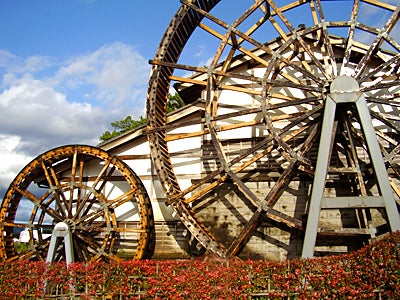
285, 101
87, 189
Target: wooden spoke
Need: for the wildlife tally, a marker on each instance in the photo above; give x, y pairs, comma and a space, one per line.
292, 30
261, 109
391, 22
265, 206
94, 213
59, 192
87, 202
251, 40
54, 188
381, 68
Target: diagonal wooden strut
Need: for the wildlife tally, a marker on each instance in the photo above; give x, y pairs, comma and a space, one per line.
345, 89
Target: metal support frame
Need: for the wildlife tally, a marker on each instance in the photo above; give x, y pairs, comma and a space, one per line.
345, 89
61, 230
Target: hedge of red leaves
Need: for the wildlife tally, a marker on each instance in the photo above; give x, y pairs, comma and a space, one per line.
372, 272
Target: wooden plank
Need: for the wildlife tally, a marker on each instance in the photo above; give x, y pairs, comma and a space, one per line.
240, 89
284, 219
248, 193
330, 62
352, 202
179, 136
244, 235
205, 190
276, 190
188, 80
134, 157
345, 232
381, 4
195, 186
343, 170
395, 187
225, 66
373, 47
239, 125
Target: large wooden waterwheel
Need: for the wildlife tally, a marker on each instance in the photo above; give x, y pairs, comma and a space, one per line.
85, 193
301, 102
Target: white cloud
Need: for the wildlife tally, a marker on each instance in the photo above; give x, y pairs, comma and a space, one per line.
36, 63
6, 58
45, 105
44, 118
115, 72
10, 159
16, 65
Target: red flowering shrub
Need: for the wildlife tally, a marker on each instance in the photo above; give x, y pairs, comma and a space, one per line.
369, 273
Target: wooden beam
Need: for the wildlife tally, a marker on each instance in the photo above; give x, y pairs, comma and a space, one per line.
352, 202
244, 235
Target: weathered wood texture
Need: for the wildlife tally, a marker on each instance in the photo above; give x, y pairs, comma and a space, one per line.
263, 107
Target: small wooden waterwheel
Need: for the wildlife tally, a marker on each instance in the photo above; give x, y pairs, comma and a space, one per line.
85, 193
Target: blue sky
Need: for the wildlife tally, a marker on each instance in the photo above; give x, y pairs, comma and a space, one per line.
65, 28
68, 68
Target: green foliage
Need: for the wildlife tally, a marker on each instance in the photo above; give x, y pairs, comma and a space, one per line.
174, 102
20, 247
122, 126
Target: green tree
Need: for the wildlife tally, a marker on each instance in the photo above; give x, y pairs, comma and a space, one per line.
174, 102
121, 127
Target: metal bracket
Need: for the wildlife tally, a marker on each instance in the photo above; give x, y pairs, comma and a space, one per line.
345, 89
61, 230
